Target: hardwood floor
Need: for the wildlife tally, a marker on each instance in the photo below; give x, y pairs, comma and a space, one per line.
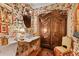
45, 52
42, 52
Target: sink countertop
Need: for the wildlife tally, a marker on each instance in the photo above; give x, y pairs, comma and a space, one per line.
10, 49
31, 38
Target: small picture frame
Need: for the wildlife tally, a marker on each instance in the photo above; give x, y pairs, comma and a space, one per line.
3, 28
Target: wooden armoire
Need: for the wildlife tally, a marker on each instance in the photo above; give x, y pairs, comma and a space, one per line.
53, 26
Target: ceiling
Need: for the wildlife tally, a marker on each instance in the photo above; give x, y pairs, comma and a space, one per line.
38, 5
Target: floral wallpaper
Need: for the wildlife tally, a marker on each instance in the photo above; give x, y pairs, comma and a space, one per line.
15, 16
4, 20
18, 12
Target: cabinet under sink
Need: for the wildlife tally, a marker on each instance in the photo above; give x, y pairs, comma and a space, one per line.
26, 47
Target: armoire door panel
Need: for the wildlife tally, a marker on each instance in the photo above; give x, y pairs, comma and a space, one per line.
45, 33
56, 35
52, 28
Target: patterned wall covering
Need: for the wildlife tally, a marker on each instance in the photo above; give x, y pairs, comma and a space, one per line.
18, 11
5, 20
15, 17
76, 22
17, 23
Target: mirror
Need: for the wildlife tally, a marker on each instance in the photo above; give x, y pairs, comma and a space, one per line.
27, 20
